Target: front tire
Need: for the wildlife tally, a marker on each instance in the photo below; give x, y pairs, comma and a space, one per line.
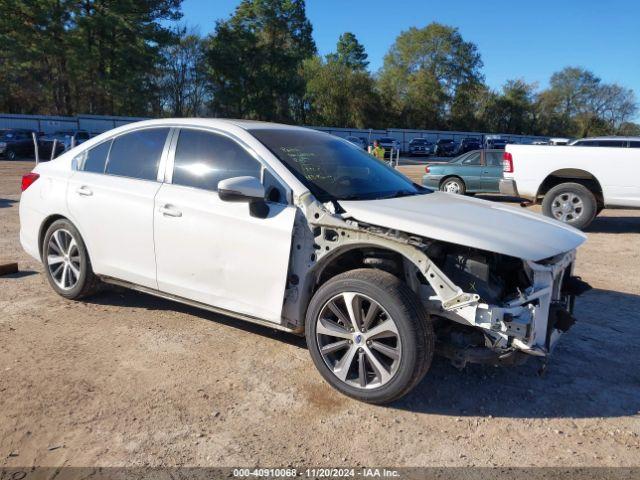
66, 261
369, 335
571, 203
11, 155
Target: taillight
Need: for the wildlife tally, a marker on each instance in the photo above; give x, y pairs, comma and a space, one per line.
507, 162
28, 179
426, 169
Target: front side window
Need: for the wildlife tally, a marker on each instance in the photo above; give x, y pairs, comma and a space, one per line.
96, 158
473, 159
332, 169
633, 144
202, 159
137, 154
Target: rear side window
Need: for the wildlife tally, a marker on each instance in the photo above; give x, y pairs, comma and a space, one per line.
473, 159
96, 158
634, 144
137, 154
612, 143
203, 159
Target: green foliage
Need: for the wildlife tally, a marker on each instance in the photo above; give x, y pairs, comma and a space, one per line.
578, 103
90, 56
255, 58
350, 52
182, 76
340, 95
512, 110
429, 74
124, 57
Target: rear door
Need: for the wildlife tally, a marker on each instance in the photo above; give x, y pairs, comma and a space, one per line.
492, 171
471, 171
111, 197
217, 252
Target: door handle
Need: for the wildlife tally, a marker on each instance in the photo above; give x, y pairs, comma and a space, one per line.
84, 191
169, 211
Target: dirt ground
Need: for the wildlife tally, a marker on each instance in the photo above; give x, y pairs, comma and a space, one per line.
125, 379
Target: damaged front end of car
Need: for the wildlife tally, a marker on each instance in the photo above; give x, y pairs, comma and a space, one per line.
486, 307
523, 307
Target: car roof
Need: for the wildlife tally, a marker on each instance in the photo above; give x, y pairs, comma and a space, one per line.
611, 137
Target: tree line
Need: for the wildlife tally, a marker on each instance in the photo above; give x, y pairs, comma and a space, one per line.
133, 57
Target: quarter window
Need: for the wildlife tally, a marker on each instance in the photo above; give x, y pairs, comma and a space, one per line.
96, 158
203, 159
137, 154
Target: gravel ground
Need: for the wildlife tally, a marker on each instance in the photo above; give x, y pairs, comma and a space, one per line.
125, 379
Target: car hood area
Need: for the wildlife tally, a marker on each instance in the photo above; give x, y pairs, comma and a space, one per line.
469, 222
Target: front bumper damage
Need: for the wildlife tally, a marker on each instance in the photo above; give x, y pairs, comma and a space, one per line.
529, 324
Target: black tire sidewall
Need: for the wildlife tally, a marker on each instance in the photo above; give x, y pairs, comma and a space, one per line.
85, 267
405, 377
589, 203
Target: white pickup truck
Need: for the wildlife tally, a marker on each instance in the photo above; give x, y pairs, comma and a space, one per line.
573, 183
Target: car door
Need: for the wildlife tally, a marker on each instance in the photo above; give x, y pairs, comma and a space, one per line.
491, 171
110, 197
471, 171
217, 252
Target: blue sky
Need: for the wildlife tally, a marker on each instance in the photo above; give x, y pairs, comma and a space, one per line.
517, 39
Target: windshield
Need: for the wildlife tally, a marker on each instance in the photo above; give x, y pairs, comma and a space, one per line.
418, 141
386, 140
333, 169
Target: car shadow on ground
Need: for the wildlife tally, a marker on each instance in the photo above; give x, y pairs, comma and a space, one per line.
19, 274
5, 202
594, 371
615, 225
122, 297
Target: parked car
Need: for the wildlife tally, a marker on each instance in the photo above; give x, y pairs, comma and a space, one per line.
467, 145
389, 144
445, 147
495, 143
618, 142
420, 146
64, 139
357, 141
15, 143
478, 171
573, 183
369, 266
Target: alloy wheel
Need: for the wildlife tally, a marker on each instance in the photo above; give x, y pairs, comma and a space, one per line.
567, 207
358, 340
451, 187
63, 259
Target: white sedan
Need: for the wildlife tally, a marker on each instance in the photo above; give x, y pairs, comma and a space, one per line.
301, 231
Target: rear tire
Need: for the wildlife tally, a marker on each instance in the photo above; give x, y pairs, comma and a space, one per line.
66, 261
453, 185
11, 155
570, 203
391, 349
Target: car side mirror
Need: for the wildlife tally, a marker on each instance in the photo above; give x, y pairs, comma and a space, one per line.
240, 189
245, 189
